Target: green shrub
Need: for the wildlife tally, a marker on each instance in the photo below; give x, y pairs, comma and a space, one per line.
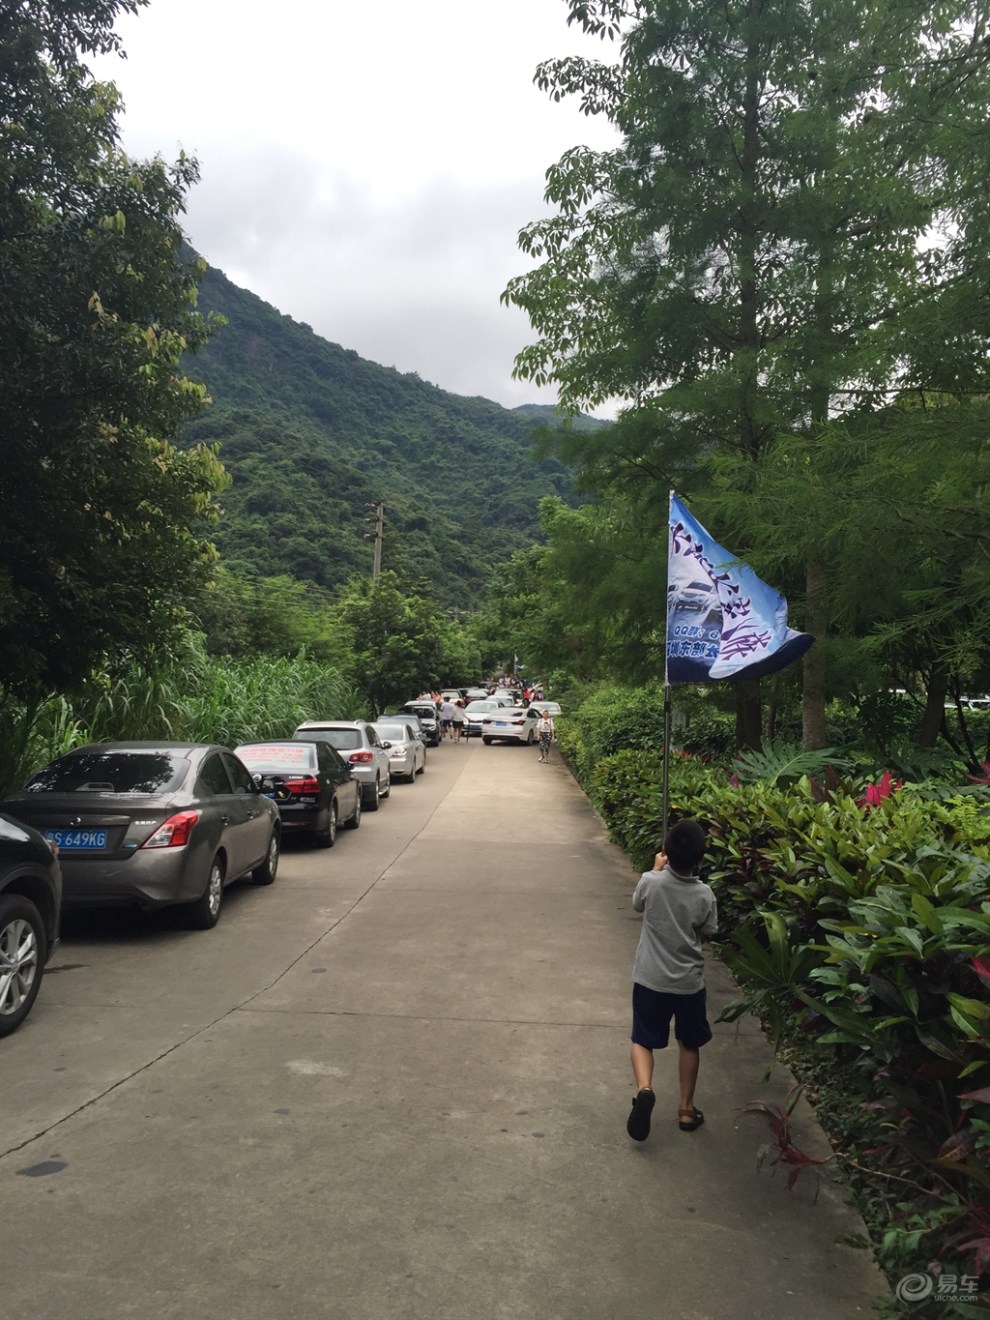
859, 930
609, 720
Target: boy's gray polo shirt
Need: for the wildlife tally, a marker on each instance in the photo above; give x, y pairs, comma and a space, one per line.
678, 913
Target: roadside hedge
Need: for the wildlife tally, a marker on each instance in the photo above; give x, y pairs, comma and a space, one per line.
854, 914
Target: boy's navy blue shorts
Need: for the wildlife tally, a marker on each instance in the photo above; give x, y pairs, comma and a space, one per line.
652, 1011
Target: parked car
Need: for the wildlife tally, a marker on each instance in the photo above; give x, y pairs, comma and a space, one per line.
475, 712
413, 720
30, 905
513, 724
360, 746
152, 824
552, 708
310, 783
429, 720
406, 749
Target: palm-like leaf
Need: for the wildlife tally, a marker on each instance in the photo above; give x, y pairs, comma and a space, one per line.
782, 763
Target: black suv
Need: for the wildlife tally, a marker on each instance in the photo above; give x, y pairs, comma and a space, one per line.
30, 906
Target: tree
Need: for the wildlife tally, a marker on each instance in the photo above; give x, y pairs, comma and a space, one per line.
395, 640
103, 518
756, 258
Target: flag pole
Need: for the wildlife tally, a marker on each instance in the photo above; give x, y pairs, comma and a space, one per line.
665, 773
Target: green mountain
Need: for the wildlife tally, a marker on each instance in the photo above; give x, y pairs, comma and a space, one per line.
311, 433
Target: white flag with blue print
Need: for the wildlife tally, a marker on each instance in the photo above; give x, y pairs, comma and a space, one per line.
722, 620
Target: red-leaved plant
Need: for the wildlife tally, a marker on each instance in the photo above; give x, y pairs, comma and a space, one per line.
782, 1149
885, 787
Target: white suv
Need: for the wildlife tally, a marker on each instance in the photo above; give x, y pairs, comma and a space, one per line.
361, 748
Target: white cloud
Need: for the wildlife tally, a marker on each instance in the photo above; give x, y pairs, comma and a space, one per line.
365, 169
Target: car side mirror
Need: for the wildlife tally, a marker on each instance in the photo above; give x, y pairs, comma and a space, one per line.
386, 745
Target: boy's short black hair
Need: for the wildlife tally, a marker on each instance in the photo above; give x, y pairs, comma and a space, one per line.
685, 845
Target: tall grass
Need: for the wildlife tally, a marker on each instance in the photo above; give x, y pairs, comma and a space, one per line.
190, 697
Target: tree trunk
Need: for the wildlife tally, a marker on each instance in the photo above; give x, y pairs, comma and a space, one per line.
931, 721
749, 729
770, 717
815, 733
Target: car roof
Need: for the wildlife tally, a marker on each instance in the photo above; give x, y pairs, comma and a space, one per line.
134, 745
330, 724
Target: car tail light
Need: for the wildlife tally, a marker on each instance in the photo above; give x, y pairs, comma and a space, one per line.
308, 784
361, 758
173, 833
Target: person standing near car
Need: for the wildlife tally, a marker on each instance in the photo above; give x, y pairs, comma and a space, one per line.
545, 730
458, 719
446, 716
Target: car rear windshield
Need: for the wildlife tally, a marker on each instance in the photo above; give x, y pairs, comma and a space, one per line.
343, 739
278, 756
111, 772
393, 732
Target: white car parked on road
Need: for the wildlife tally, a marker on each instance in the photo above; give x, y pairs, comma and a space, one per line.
511, 724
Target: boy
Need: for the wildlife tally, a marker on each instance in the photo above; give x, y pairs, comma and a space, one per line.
668, 974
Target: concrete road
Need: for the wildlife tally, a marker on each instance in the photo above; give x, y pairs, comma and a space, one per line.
395, 1084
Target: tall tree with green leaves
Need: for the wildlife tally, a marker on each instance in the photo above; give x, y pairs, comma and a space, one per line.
393, 637
787, 222
103, 519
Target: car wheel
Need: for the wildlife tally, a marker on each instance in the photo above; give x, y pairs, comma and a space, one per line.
23, 952
265, 873
373, 801
530, 739
205, 912
355, 821
486, 740
329, 836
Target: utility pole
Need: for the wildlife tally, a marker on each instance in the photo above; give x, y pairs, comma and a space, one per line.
378, 535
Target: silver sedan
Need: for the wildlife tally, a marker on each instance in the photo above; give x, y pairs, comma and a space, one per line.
406, 749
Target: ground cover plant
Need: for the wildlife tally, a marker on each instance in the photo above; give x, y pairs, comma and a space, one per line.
854, 914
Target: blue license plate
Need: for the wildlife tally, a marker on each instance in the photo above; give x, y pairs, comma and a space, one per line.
78, 840
501, 724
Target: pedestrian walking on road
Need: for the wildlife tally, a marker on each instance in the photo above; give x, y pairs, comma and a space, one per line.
679, 913
458, 720
545, 729
446, 717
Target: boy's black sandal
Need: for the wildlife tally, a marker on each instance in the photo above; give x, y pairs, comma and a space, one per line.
689, 1120
638, 1122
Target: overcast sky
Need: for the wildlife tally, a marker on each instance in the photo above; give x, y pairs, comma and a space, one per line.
366, 166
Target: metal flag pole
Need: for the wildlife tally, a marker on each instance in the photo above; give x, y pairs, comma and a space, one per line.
665, 773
